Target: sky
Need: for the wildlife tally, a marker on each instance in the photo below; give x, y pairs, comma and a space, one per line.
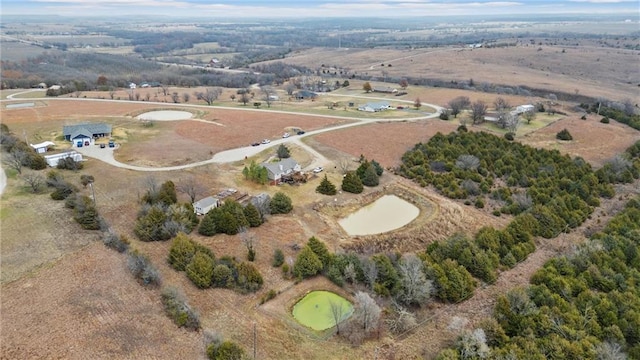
314, 8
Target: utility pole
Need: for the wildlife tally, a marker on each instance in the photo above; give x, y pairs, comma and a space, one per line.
255, 342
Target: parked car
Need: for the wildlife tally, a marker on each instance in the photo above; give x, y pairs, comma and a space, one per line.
318, 169
102, 146
112, 143
266, 141
300, 132
285, 135
255, 144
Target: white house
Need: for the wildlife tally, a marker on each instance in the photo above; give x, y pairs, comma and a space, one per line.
275, 171
52, 160
84, 134
42, 147
521, 109
203, 206
375, 107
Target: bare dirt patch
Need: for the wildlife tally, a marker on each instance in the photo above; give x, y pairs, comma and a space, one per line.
384, 142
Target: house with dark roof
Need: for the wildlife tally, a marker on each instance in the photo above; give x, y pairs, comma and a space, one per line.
84, 134
275, 171
305, 94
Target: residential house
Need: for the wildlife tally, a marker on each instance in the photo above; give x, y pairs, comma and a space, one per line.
84, 134
42, 147
305, 94
385, 89
375, 107
521, 109
275, 171
201, 207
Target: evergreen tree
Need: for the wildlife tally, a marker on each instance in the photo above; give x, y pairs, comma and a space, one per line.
167, 194
307, 263
252, 215
222, 276
320, 249
326, 187
378, 167
370, 177
352, 183
200, 270
283, 152
207, 225
280, 204
181, 252
150, 227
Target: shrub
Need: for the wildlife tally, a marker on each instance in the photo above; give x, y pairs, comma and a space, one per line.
462, 128
226, 350
113, 241
181, 252
307, 263
271, 294
222, 276
584, 117
200, 270
278, 258
142, 269
444, 115
509, 136
564, 135
249, 278
479, 203
176, 307
370, 176
69, 164
604, 120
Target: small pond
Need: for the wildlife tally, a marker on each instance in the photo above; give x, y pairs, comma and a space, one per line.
314, 310
385, 214
165, 115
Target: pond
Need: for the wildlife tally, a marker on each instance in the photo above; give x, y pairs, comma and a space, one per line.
165, 115
315, 309
385, 214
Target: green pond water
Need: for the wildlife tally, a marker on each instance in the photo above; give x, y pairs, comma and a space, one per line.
314, 310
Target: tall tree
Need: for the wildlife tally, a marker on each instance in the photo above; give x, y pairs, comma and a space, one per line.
478, 111
326, 187
458, 104
352, 183
367, 87
367, 312
209, 95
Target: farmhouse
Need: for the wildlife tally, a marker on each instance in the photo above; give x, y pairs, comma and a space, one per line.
375, 107
385, 89
203, 206
83, 134
42, 147
305, 94
275, 171
521, 109
52, 160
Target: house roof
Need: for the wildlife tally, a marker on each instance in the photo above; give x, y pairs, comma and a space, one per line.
83, 133
206, 202
377, 105
306, 93
42, 144
281, 167
91, 128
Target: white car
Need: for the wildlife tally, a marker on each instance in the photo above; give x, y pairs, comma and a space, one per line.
286, 135
266, 141
318, 169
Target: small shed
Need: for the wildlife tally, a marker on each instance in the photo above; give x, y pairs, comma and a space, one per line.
42, 147
203, 206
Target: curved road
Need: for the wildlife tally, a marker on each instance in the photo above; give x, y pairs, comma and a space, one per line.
232, 155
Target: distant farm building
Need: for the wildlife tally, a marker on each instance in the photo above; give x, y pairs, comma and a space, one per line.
385, 89
52, 160
84, 134
201, 207
521, 109
275, 171
305, 94
375, 107
42, 147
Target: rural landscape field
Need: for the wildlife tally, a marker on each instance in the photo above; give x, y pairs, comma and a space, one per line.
514, 142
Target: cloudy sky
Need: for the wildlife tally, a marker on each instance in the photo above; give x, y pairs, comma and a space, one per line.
314, 8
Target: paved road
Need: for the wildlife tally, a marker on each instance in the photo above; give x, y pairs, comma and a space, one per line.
233, 155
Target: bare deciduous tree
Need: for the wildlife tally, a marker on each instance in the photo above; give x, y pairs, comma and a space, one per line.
343, 165
478, 111
290, 88
15, 160
191, 187
186, 97
34, 180
175, 98
473, 345
350, 273
400, 320
370, 271
268, 94
209, 95
367, 312
416, 289
165, 89
529, 116
502, 107
467, 162
336, 312
458, 104
245, 97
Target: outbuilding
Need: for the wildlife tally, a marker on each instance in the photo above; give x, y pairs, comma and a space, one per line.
52, 160
42, 147
201, 207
